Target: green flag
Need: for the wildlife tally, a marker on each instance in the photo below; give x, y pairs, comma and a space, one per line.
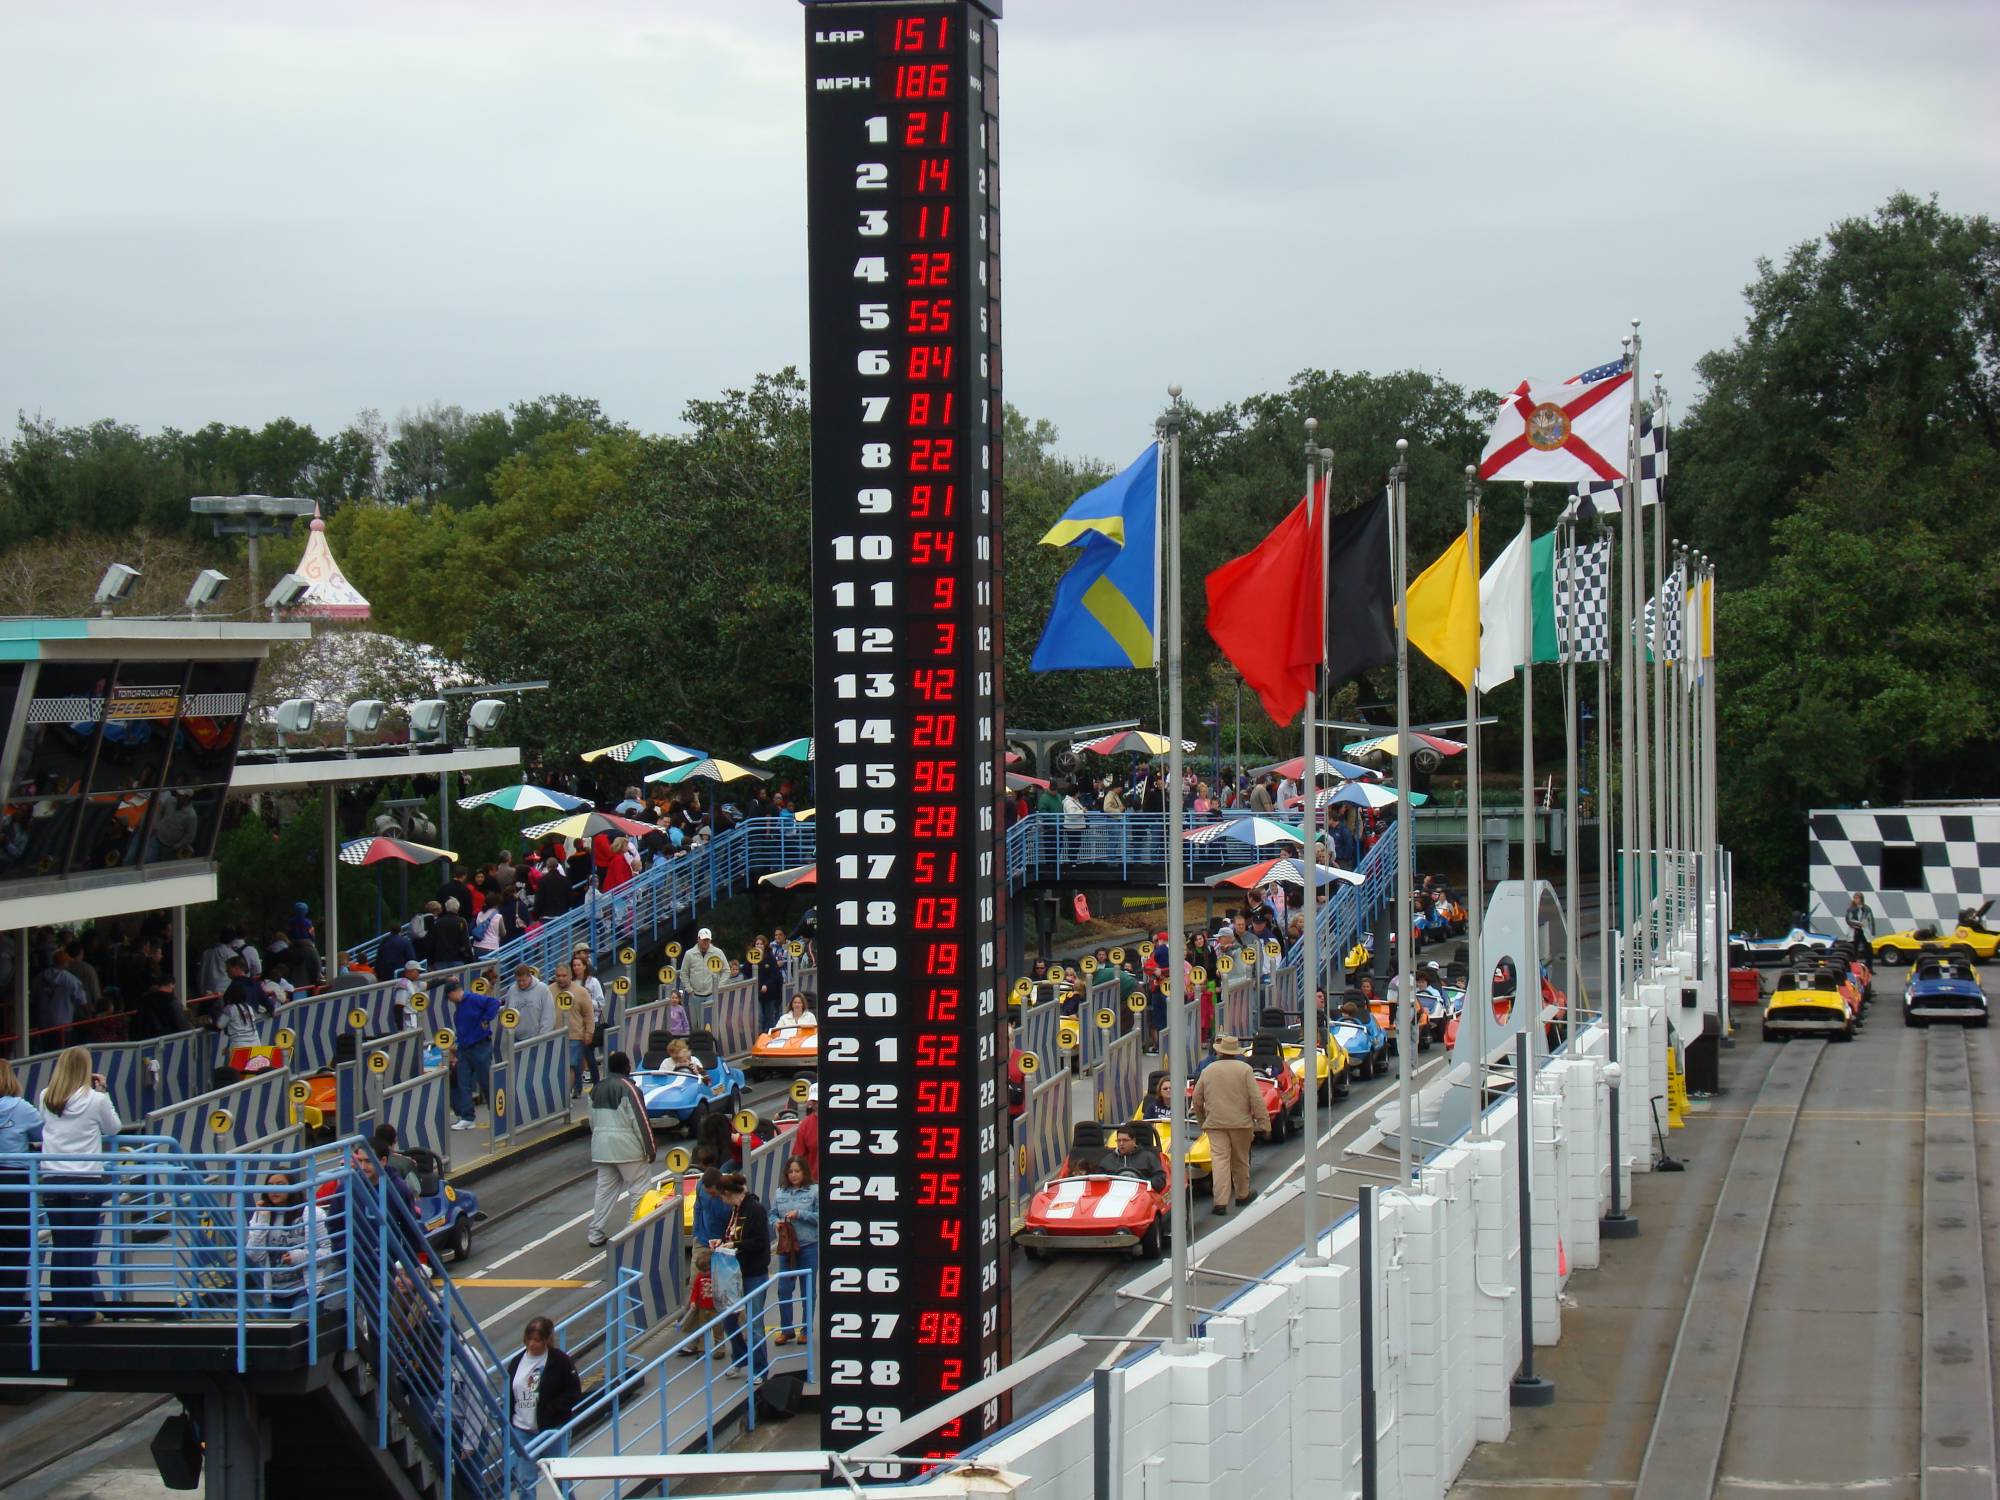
1542, 588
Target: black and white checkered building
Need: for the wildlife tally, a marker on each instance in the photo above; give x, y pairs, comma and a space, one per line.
1914, 864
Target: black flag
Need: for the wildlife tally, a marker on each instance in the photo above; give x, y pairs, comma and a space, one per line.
1360, 623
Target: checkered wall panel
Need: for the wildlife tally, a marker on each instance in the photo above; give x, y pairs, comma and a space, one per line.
1959, 850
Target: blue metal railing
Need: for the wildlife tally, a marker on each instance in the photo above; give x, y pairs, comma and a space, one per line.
321, 1241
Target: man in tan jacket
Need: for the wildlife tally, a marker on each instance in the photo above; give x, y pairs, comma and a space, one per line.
1230, 1107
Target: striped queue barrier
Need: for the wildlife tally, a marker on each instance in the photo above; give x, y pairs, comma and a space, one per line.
1039, 1028
647, 1254
530, 1079
1049, 1120
1239, 1004
1122, 1080
420, 1109
247, 1115
139, 1077
732, 1017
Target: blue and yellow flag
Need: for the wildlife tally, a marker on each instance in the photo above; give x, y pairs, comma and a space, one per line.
1106, 604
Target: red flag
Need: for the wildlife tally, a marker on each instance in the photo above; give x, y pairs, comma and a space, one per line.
1264, 612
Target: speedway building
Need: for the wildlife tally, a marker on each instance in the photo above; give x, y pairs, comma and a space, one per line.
1917, 864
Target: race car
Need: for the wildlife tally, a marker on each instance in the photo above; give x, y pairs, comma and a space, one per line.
1363, 1040
665, 1189
1944, 989
1807, 1003
685, 1099
1972, 939
1842, 974
1333, 1060
1087, 1207
1790, 948
1200, 1165
446, 1212
1384, 1012
1279, 1083
784, 1050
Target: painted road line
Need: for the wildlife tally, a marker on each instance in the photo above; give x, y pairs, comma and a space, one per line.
520, 1302
538, 1241
515, 1283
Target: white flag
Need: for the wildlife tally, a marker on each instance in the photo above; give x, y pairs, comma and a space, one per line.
1561, 432
1503, 605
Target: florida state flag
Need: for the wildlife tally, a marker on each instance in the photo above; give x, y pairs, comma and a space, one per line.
1561, 432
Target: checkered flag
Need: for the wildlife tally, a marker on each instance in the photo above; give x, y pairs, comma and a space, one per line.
1583, 601
1603, 493
1675, 594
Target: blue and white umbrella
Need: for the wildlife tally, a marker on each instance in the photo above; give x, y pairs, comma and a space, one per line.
1251, 829
1368, 794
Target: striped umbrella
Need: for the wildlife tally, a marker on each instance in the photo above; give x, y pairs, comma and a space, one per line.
797, 878
1367, 794
1385, 744
1253, 829
1020, 781
525, 798
378, 848
798, 749
708, 769
1290, 871
1130, 742
1324, 765
626, 751
585, 825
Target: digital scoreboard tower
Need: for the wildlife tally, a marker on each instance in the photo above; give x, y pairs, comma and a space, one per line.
904, 238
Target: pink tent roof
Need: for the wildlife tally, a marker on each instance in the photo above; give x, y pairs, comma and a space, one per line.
331, 596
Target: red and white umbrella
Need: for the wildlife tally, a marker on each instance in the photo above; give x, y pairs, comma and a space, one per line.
1289, 871
380, 847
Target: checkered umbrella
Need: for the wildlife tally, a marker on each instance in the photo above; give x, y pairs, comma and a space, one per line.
798, 749
1020, 781
1289, 871
1323, 765
626, 751
708, 769
1250, 830
1130, 742
525, 798
1385, 744
375, 850
586, 825
1367, 794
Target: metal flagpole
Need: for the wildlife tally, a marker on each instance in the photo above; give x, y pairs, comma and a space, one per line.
1645, 660
1478, 983
1628, 791
1528, 975
1406, 946
1309, 905
1662, 730
1711, 833
1618, 1224
1572, 859
1170, 428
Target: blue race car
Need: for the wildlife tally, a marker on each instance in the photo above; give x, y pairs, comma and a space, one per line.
685, 1099
1450, 1008
1366, 1043
1800, 943
447, 1212
1944, 989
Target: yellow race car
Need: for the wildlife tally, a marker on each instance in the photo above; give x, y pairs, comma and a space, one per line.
1972, 940
1808, 1003
665, 1189
1332, 1065
1200, 1162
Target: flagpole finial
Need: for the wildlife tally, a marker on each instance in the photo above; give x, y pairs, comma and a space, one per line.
1312, 425
1174, 392
1326, 455
1402, 446
1635, 325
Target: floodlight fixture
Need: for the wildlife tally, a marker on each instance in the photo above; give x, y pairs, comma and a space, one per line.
294, 716
429, 721
485, 716
207, 584
364, 716
118, 583
288, 593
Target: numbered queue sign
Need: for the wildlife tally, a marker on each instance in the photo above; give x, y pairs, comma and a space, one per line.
904, 236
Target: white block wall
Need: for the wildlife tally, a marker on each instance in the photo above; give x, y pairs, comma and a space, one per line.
1268, 1402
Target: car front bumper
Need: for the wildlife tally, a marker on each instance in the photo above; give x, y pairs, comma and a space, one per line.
1808, 1020
1037, 1238
1944, 1010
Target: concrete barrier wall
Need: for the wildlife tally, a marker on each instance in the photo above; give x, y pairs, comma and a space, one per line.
1268, 1402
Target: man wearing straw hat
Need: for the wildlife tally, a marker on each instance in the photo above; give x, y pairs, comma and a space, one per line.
1230, 1107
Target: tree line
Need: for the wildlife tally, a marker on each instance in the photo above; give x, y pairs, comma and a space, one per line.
1841, 464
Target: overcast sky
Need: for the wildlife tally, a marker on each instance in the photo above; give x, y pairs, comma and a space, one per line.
241, 211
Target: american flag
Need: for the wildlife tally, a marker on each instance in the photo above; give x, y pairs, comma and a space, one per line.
1601, 372
1603, 493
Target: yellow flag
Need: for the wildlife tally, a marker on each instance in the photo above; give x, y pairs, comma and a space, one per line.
1443, 606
